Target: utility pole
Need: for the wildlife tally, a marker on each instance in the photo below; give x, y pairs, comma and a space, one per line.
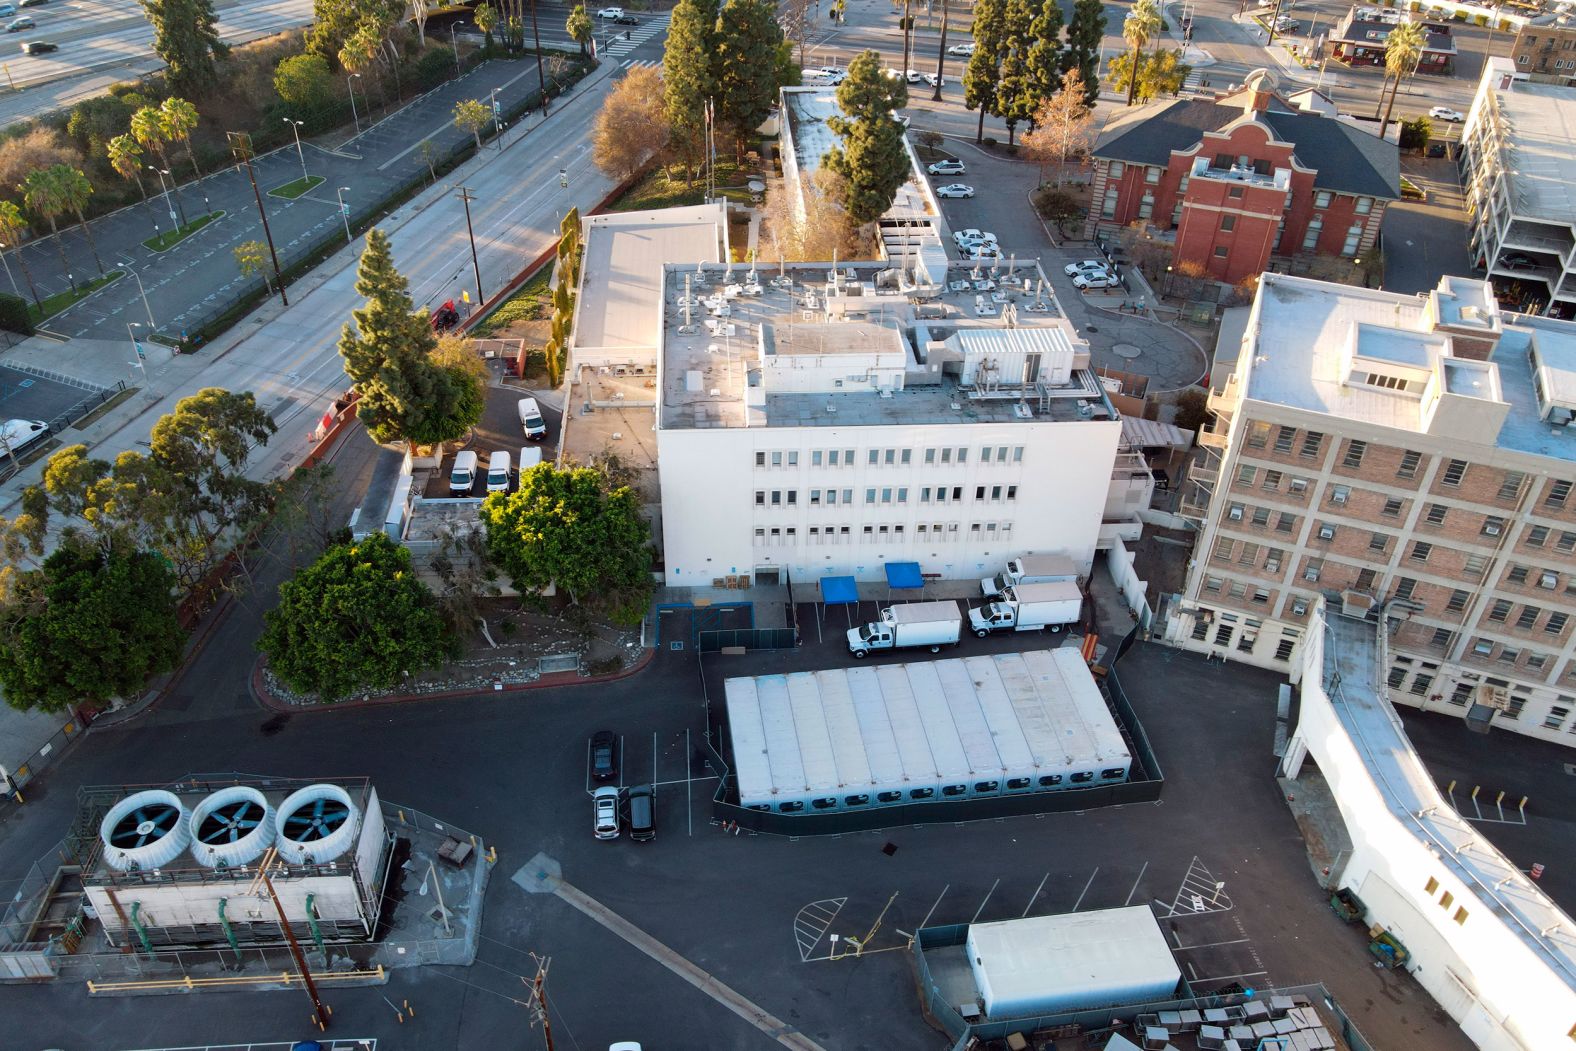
465, 195
541, 78
241, 144
321, 1012
539, 997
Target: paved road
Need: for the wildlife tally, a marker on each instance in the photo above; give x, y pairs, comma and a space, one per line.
198, 277
103, 42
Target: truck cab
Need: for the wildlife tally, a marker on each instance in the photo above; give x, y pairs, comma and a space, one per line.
868, 637
993, 616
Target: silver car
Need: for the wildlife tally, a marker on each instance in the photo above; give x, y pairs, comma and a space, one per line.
604, 804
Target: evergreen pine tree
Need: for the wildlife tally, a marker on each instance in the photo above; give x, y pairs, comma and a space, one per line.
689, 75
1045, 54
1016, 94
982, 75
186, 37
870, 157
748, 72
1083, 45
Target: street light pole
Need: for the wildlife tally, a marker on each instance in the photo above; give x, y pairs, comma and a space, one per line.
295, 126
465, 195
9, 275
350, 82
344, 213
136, 348
497, 123
241, 143
162, 172
142, 291
459, 67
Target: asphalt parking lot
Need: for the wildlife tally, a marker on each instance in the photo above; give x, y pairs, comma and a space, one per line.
755, 914
499, 428
28, 396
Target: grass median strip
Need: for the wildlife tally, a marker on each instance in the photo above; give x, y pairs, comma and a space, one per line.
291, 190
170, 238
61, 300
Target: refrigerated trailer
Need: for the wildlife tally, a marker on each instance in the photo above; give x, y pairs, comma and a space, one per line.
1031, 569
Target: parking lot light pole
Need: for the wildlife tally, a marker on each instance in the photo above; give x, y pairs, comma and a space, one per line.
136, 349
295, 126
162, 172
9, 275
344, 213
142, 291
350, 82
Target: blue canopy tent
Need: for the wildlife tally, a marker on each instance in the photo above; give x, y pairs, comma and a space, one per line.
839, 591
904, 576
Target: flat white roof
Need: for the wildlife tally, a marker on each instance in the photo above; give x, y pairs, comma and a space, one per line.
1352, 670
620, 306
894, 726
1539, 125
1116, 949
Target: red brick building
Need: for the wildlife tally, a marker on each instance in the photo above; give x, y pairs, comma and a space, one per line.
1239, 179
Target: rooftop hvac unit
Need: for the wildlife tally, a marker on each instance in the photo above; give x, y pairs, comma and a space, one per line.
146, 830
316, 825
232, 827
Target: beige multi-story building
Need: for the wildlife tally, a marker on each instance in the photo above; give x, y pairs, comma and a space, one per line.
1412, 450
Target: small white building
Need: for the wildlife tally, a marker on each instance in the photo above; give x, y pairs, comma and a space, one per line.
1044, 965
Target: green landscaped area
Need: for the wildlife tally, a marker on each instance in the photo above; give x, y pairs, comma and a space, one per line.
533, 301
664, 187
61, 300
170, 238
291, 190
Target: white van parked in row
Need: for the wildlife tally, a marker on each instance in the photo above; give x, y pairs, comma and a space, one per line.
498, 472
463, 477
531, 420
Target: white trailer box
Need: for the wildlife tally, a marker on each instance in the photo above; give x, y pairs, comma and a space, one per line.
1031, 569
1029, 607
933, 624
1070, 962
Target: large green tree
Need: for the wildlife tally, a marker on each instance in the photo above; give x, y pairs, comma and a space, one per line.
1017, 93
305, 82
689, 75
1160, 72
982, 76
579, 27
357, 618
572, 527
1082, 52
186, 37
1045, 52
870, 156
749, 49
93, 623
405, 396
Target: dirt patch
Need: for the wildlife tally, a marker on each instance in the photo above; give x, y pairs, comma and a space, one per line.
1160, 557
529, 644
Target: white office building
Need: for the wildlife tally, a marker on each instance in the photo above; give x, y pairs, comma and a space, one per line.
819, 422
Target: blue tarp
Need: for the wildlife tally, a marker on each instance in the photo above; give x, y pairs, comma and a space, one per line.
839, 591
904, 575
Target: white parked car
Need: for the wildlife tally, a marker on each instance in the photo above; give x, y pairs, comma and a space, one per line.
831, 73
931, 78
947, 168
955, 189
1445, 113
913, 76
16, 435
1086, 266
965, 50
611, 13
1088, 281
983, 250
604, 803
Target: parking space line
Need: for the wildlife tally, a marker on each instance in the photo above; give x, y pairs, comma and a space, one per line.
1230, 977
1081, 893
1203, 892
689, 805
811, 923
926, 921
1136, 882
1036, 894
988, 893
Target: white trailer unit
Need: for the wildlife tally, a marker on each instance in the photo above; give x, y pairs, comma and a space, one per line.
1029, 607
1031, 569
933, 624
848, 738
1074, 961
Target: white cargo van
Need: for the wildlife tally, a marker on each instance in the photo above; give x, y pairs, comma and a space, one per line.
463, 477
530, 456
498, 472
531, 420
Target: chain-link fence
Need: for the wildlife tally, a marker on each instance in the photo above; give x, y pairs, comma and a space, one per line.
13, 794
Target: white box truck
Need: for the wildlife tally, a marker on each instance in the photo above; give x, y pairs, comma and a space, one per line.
1029, 607
1031, 569
910, 624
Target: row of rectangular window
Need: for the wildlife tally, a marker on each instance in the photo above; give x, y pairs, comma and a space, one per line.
939, 494
843, 534
1506, 654
889, 457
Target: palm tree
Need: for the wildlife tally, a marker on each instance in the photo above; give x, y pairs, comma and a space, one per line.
486, 18
13, 227
125, 156
579, 27
178, 119
941, 54
74, 189
1402, 50
1142, 25
147, 127
42, 195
